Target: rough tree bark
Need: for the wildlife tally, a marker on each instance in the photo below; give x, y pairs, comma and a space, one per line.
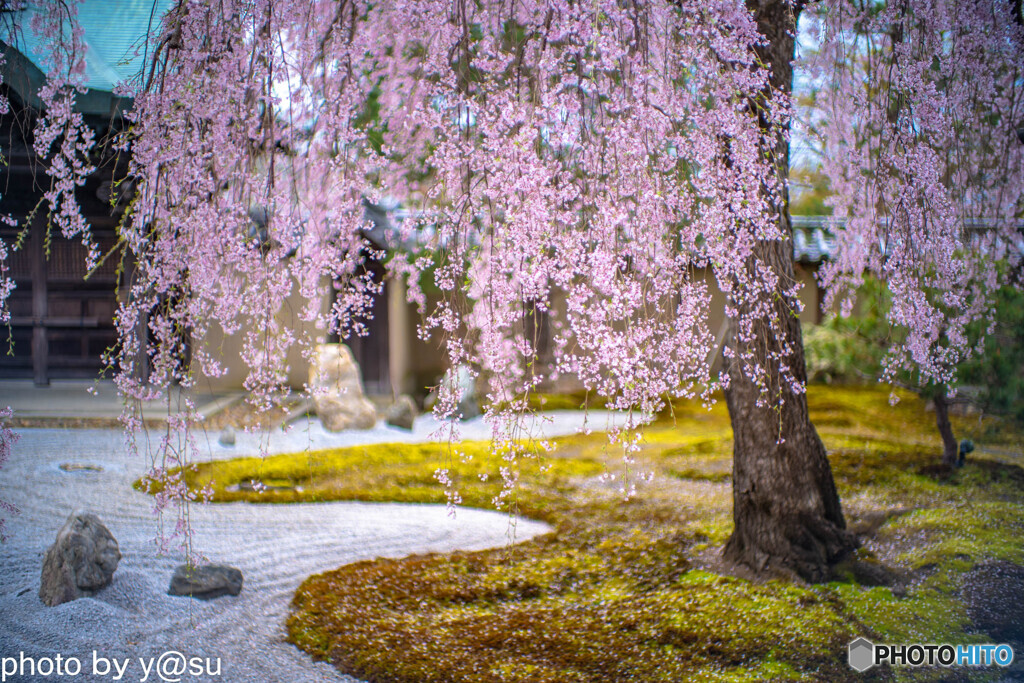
950, 446
786, 510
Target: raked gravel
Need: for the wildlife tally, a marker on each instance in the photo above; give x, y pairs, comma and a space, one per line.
275, 546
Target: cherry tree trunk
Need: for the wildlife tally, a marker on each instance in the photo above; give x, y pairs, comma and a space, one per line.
950, 446
786, 511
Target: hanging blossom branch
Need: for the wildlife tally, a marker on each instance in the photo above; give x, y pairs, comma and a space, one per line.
223, 130
599, 154
921, 101
575, 153
6, 282
7, 436
61, 140
587, 159
544, 171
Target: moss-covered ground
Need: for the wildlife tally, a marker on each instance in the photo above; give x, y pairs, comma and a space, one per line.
634, 590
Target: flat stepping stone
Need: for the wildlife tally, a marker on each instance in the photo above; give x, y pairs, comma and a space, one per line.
206, 582
80, 467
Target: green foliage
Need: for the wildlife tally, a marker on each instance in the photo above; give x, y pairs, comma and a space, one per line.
999, 371
835, 353
369, 119
850, 349
810, 192
633, 590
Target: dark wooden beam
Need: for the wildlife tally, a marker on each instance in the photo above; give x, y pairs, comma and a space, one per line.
67, 321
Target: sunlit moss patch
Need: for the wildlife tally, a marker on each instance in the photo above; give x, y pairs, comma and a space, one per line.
632, 590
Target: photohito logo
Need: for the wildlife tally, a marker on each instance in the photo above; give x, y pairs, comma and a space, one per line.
863, 654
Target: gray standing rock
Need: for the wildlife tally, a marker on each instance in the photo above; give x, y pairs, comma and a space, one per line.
227, 436
80, 562
465, 384
337, 390
206, 582
402, 412
460, 382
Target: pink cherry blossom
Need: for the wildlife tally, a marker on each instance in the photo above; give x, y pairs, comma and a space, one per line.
596, 158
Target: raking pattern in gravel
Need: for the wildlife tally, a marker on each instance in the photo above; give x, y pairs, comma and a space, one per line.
275, 546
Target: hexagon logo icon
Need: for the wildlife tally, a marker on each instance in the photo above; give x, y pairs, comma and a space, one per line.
862, 654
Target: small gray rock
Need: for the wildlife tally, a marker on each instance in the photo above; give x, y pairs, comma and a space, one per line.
227, 436
80, 562
206, 582
402, 412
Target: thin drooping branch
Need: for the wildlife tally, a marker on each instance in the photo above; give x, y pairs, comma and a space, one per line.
564, 155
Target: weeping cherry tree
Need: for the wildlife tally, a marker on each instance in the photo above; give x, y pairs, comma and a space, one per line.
614, 156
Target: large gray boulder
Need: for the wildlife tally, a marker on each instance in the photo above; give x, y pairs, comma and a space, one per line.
337, 390
402, 412
80, 562
206, 582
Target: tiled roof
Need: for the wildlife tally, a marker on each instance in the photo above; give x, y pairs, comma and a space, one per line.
812, 241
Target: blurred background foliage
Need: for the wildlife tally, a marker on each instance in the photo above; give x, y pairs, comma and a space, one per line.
852, 349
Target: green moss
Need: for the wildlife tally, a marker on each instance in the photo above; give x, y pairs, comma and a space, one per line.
926, 615
960, 536
395, 472
563, 621
621, 590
